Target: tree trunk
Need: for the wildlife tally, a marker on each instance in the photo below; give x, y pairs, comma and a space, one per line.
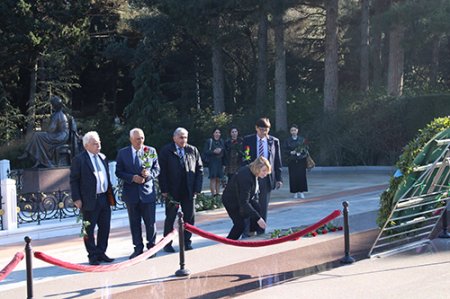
396, 60
218, 76
364, 61
330, 92
435, 60
31, 119
280, 70
377, 45
261, 73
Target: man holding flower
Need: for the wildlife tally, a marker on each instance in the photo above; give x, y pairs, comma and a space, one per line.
138, 167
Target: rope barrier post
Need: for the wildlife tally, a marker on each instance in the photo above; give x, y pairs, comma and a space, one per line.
444, 234
182, 271
29, 265
347, 259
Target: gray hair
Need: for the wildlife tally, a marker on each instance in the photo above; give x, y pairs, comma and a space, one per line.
90, 135
132, 131
179, 131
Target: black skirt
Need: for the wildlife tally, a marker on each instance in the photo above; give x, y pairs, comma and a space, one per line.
297, 176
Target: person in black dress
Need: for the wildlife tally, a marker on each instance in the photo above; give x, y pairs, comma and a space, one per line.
240, 196
297, 152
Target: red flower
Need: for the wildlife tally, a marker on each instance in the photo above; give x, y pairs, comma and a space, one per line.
146, 149
333, 229
314, 234
340, 228
247, 148
324, 231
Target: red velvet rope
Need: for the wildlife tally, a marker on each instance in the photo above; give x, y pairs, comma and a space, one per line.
106, 268
260, 243
11, 265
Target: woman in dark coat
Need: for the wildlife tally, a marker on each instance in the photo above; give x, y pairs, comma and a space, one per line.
297, 152
214, 150
233, 153
240, 196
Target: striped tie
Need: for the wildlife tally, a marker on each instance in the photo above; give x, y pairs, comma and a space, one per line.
261, 148
181, 156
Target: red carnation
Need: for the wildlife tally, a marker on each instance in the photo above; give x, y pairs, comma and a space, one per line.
314, 234
333, 229
146, 149
324, 231
340, 228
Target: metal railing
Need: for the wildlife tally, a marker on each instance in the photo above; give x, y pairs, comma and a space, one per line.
58, 204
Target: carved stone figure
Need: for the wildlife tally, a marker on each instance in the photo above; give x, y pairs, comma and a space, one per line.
43, 146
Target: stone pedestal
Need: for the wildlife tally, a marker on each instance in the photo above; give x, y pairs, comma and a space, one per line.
45, 179
4, 169
112, 173
9, 207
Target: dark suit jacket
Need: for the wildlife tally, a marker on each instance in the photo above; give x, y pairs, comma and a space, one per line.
172, 172
240, 193
125, 170
274, 158
83, 183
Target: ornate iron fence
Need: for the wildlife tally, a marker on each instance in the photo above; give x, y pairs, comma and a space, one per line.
36, 207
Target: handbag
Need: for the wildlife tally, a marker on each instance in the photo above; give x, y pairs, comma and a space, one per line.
310, 164
110, 196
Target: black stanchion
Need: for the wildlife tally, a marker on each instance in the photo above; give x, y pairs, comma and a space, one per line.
182, 271
29, 265
347, 259
444, 234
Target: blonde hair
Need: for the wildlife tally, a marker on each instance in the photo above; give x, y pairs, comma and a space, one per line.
259, 163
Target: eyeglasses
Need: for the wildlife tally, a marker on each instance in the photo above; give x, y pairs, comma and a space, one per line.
263, 128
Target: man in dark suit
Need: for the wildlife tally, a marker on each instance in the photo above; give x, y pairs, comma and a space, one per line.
263, 144
138, 167
89, 183
180, 181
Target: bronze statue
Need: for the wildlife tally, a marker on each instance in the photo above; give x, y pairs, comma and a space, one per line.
43, 146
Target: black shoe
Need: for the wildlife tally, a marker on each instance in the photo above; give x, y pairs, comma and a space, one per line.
104, 258
93, 261
135, 254
188, 247
169, 248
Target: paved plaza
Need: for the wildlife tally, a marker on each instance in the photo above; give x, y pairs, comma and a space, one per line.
304, 268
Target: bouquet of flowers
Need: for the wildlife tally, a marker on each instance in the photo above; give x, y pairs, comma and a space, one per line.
146, 156
84, 225
246, 155
299, 152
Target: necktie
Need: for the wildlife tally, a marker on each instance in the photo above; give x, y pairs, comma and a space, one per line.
99, 173
136, 159
181, 156
261, 148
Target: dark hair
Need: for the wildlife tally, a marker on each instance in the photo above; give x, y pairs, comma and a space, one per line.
232, 128
263, 122
215, 129
294, 126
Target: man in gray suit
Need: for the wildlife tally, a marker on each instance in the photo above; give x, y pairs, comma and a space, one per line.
137, 166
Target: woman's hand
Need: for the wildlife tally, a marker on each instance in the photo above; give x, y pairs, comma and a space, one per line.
261, 223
